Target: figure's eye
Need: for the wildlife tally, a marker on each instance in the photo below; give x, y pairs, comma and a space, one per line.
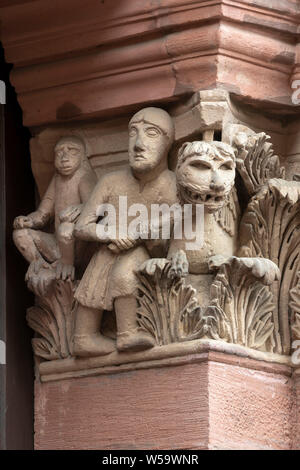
226, 166
72, 150
132, 131
152, 131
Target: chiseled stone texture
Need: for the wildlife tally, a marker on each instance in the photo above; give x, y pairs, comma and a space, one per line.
77, 60
249, 409
296, 434
206, 405
148, 409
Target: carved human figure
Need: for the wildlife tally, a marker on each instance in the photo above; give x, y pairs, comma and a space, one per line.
52, 255
110, 280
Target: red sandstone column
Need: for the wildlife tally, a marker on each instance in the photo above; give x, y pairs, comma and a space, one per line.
296, 441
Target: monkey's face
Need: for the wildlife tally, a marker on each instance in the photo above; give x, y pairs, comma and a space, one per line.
68, 158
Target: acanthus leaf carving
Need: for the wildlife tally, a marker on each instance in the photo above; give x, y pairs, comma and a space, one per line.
52, 319
241, 309
294, 306
167, 308
270, 229
256, 161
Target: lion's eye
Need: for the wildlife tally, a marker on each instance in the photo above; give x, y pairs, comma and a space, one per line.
152, 132
200, 165
226, 166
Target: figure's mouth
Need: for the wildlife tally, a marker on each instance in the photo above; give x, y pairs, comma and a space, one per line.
66, 168
139, 157
204, 198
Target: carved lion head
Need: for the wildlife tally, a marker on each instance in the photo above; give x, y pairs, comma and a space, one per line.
205, 173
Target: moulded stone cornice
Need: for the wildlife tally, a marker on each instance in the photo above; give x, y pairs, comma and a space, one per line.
75, 61
176, 354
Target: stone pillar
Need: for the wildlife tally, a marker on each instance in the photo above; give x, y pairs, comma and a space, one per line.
206, 400
296, 442
223, 72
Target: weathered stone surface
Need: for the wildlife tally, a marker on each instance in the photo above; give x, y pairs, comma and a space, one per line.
122, 55
224, 72
223, 402
296, 420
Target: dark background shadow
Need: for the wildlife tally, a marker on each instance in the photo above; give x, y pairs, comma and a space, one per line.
16, 198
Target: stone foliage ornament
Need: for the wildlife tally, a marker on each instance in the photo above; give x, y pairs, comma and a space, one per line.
294, 306
240, 286
168, 309
242, 308
53, 319
256, 161
270, 228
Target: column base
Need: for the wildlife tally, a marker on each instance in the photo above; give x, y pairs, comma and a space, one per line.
210, 400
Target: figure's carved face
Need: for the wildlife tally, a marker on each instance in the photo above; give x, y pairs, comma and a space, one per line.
68, 157
151, 134
205, 174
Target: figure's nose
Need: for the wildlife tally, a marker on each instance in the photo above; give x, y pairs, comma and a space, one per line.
64, 156
138, 143
216, 182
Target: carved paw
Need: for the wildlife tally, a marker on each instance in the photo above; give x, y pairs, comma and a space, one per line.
215, 262
179, 265
152, 265
285, 189
261, 268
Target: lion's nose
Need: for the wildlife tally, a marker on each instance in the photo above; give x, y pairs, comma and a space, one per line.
217, 187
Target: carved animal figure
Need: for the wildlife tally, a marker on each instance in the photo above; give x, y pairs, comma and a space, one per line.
52, 255
205, 174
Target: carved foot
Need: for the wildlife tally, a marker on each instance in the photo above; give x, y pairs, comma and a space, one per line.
64, 271
134, 341
40, 277
93, 345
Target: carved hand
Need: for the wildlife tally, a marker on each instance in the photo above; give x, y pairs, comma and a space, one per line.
34, 220
23, 221
122, 244
70, 214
